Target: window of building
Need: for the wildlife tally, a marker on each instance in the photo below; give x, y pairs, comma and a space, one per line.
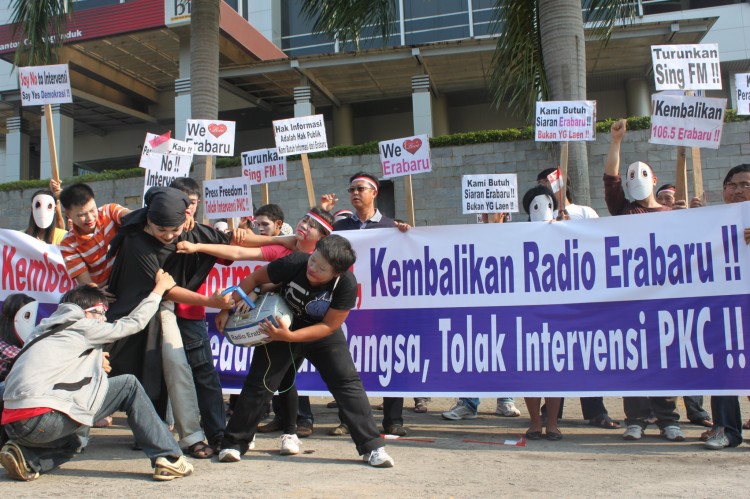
429, 21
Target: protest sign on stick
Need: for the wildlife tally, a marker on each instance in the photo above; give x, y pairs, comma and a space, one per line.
489, 193
301, 135
227, 197
262, 166
562, 121
686, 67
742, 86
402, 158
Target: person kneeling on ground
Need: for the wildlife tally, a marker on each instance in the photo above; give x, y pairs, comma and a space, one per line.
320, 291
58, 387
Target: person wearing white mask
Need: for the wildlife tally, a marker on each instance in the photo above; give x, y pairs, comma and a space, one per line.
639, 183
540, 203
43, 218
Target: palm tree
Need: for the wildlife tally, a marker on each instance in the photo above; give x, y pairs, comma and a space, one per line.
540, 55
204, 68
39, 21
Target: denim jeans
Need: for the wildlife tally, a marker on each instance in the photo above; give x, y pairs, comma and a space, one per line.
639, 409
207, 385
473, 403
725, 410
332, 359
694, 408
53, 438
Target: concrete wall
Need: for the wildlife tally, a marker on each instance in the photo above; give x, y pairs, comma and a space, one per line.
437, 194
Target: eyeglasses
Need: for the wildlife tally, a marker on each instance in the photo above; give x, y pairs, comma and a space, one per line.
99, 309
360, 188
731, 186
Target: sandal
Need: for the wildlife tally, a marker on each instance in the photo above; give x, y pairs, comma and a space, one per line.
604, 421
200, 450
533, 435
553, 435
746, 425
707, 423
420, 407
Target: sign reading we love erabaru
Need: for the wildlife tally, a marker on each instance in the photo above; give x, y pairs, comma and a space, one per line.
405, 156
211, 137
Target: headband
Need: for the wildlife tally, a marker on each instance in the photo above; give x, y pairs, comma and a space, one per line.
367, 180
666, 189
320, 220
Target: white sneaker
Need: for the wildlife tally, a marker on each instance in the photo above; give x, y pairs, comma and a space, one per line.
251, 446
633, 432
717, 441
164, 470
379, 458
289, 445
673, 434
229, 455
507, 409
459, 411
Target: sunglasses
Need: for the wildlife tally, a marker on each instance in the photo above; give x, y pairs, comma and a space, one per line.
351, 190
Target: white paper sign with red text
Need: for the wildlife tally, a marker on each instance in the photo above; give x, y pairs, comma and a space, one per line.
44, 85
565, 121
227, 197
405, 156
490, 193
742, 92
263, 166
682, 120
153, 152
305, 134
211, 137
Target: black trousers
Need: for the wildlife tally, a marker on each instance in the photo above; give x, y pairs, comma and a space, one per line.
332, 359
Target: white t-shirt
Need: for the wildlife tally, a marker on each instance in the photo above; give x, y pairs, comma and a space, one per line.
578, 212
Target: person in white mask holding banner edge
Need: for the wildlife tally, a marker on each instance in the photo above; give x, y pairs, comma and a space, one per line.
639, 183
43, 222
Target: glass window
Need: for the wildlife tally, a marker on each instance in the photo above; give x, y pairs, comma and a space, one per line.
79, 5
435, 20
484, 17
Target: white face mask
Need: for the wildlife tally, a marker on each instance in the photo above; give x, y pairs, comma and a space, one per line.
43, 209
25, 320
639, 182
221, 226
541, 208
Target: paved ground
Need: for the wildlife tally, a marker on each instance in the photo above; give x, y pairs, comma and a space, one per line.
440, 459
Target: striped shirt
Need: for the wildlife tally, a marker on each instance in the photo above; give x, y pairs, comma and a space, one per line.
88, 252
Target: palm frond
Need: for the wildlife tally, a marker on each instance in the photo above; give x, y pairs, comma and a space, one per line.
40, 22
604, 14
346, 19
517, 64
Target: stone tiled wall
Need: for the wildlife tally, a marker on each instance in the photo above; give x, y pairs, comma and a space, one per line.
437, 194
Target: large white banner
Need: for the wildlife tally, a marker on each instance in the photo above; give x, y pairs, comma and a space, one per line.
682, 120
686, 67
44, 85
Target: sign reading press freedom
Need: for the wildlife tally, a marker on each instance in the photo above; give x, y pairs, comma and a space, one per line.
211, 137
565, 121
301, 135
41, 85
263, 166
686, 67
227, 197
491, 193
405, 156
688, 121
607, 306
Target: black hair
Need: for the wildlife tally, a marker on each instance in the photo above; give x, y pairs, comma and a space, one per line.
543, 174
76, 195
337, 251
665, 186
11, 306
548, 171
272, 211
186, 185
325, 215
368, 175
85, 296
538, 190
734, 171
33, 229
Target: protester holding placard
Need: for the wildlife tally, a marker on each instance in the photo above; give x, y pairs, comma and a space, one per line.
574, 211
640, 182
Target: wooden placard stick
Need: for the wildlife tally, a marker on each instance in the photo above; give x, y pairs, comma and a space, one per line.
264, 192
697, 176
563, 174
53, 159
209, 176
409, 195
308, 180
681, 185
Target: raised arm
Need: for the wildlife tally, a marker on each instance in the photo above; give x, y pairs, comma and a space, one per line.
249, 239
617, 133
227, 252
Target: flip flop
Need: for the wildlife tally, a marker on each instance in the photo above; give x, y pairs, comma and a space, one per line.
533, 435
746, 425
420, 407
604, 421
553, 435
708, 423
200, 450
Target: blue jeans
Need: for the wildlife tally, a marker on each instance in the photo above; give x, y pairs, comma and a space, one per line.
207, 385
53, 438
473, 404
725, 410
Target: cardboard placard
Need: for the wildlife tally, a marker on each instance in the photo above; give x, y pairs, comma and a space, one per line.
686, 67
405, 156
44, 85
263, 166
491, 193
211, 137
227, 197
301, 135
683, 120
565, 121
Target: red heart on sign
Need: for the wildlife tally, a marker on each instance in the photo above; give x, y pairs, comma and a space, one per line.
412, 145
217, 130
